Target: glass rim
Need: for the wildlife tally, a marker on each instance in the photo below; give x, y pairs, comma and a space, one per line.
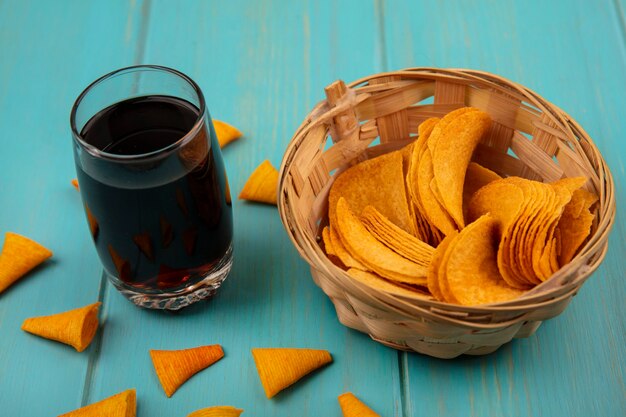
94, 151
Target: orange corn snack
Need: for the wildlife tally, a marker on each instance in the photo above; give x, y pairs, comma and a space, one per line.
75, 327
75, 183
19, 255
225, 133
351, 406
262, 185
219, 411
279, 368
174, 367
123, 404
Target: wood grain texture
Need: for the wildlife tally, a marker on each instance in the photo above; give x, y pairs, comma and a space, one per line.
49, 54
262, 67
572, 53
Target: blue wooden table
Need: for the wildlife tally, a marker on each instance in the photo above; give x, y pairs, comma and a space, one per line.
262, 66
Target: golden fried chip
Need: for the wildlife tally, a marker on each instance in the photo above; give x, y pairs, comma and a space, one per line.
225, 133
442, 278
575, 224
262, 185
377, 257
476, 177
75, 327
351, 406
18, 257
219, 411
175, 367
433, 210
454, 147
342, 253
435, 264
395, 238
381, 284
75, 183
438, 128
472, 267
328, 244
279, 368
378, 182
123, 404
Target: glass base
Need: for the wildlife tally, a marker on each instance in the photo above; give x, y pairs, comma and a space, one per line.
183, 297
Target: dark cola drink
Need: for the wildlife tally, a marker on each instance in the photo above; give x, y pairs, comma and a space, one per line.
156, 197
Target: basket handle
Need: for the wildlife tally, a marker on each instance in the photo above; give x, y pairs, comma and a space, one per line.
345, 125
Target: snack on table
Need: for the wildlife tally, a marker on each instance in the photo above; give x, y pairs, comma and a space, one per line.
75, 183
262, 185
218, 411
351, 406
225, 133
279, 368
174, 367
428, 216
74, 327
123, 404
18, 257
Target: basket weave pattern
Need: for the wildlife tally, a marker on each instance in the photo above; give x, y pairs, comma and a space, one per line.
529, 137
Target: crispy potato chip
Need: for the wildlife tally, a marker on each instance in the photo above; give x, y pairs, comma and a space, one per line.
433, 210
454, 147
75, 327
575, 224
351, 406
378, 182
261, 185
328, 244
122, 266
219, 411
18, 257
442, 278
123, 404
342, 253
225, 133
279, 368
435, 264
144, 243
381, 284
476, 177
395, 238
377, 257
75, 183
437, 129
174, 367
472, 267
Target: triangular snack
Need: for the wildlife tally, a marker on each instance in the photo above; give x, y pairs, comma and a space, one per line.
123, 404
279, 368
75, 183
262, 185
225, 133
351, 406
174, 367
75, 327
19, 255
218, 411
144, 243
575, 224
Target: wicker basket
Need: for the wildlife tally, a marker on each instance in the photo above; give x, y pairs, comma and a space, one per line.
529, 137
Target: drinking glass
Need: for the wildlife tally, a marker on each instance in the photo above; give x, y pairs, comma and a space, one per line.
153, 186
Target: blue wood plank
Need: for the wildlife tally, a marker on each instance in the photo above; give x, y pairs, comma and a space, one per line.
262, 66
573, 54
50, 52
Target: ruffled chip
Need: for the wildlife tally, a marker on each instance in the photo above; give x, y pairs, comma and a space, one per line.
351, 406
123, 404
219, 411
262, 185
225, 133
75, 183
19, 255
75, 327
174, 367
279, 368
